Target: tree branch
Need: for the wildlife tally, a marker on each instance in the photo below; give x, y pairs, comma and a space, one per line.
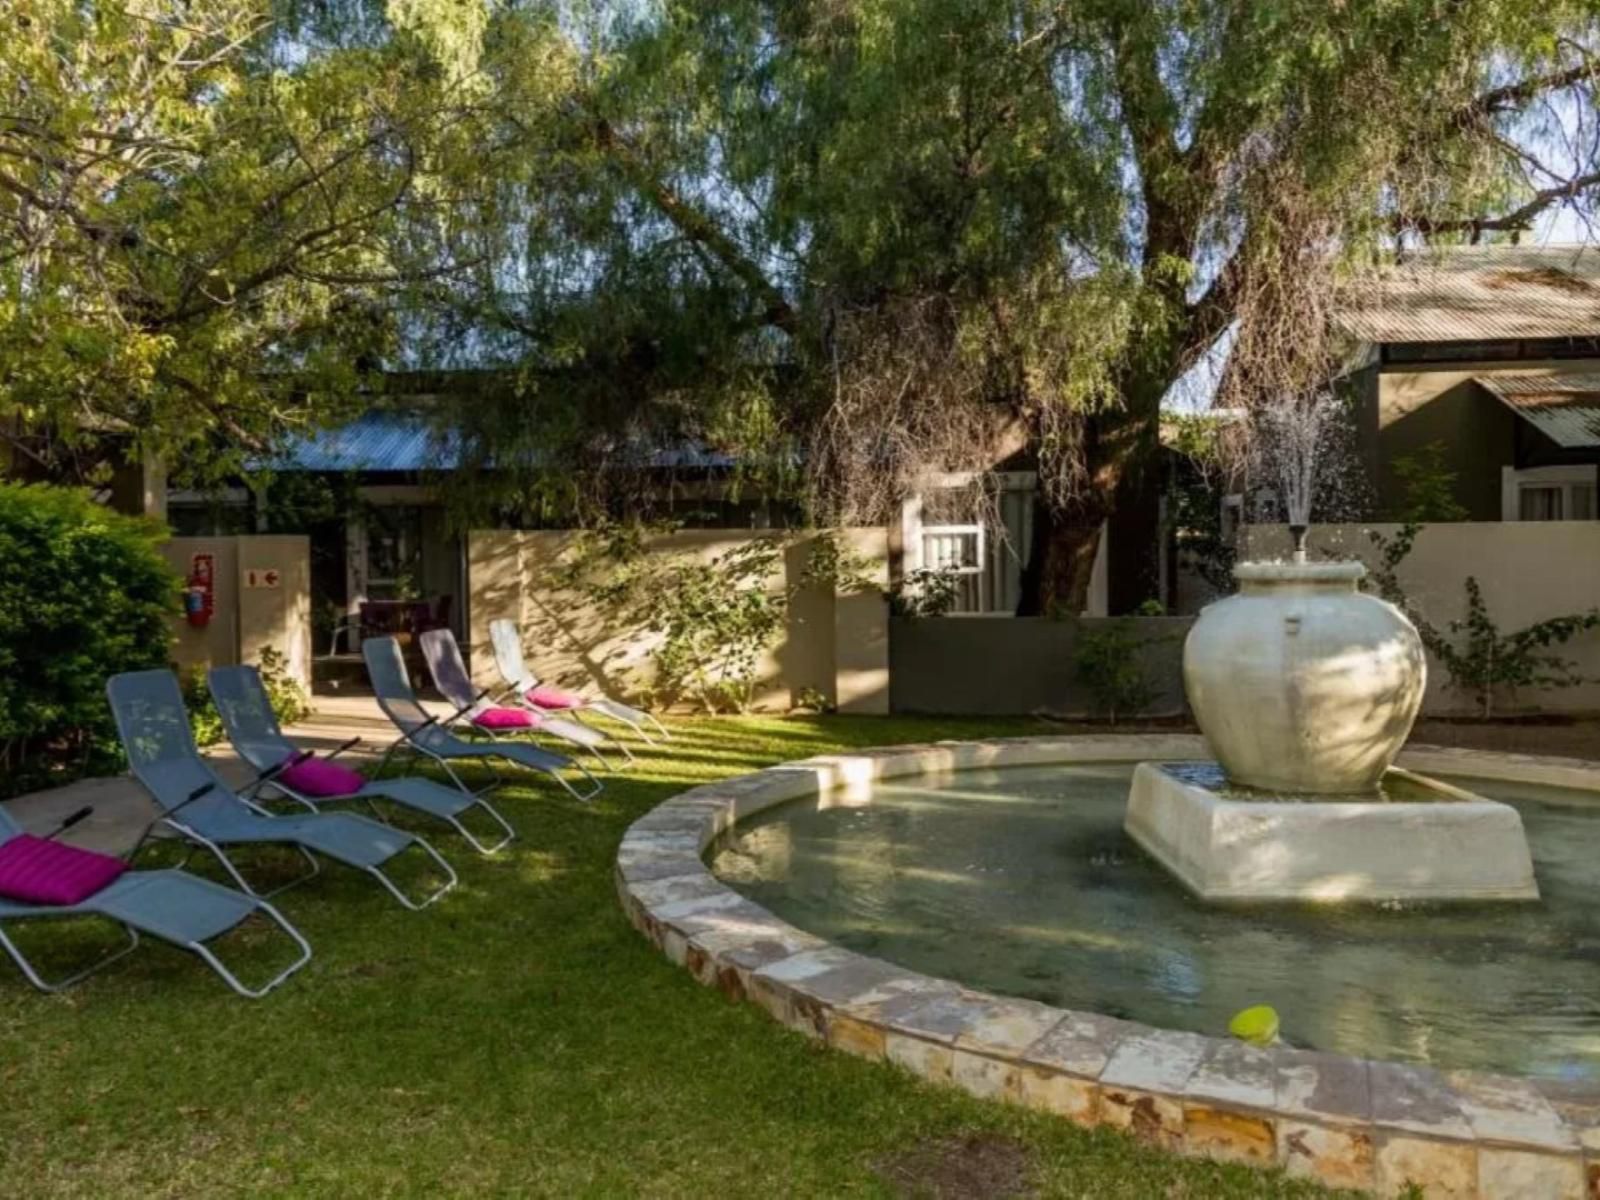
1518, 219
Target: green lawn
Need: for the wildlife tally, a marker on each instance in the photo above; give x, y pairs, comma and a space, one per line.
519, 1037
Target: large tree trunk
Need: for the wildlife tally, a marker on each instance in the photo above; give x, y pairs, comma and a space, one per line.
1060, 567
1122, 461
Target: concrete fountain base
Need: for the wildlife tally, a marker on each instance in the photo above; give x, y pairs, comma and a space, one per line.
1439, 843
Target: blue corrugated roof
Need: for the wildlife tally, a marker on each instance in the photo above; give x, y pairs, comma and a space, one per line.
385, 440
376, 441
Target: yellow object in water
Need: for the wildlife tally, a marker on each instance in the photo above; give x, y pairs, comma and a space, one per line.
1257, 1025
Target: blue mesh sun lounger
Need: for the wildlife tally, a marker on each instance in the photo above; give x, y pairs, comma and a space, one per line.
522, 683
449, 670
251, 725
174, 906
427, 736
197, 805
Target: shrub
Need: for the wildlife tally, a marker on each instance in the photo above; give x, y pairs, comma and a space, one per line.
84, 594
1110, 663
1486, 660
713, 619
289, 700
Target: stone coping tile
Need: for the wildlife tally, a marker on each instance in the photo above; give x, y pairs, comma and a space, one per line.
938, 1014
1416, 1099
643, 867
1234, 1074
1080, 1044
1005, 1028
1322, 1087
1155, 1060
1512, 1111
1343, 1120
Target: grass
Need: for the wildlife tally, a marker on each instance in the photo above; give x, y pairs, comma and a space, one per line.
517, 1038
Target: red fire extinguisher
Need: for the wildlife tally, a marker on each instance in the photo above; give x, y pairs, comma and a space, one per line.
198, 598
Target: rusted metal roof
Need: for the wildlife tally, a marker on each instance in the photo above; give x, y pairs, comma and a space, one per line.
1483, 293
1565, 408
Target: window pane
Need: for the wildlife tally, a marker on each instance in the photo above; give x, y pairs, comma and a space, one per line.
1540, 504
1582, 502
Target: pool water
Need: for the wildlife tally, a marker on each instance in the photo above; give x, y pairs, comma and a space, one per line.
1021, 881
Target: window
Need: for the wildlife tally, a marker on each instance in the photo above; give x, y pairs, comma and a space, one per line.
1548, 493
981, 540
394, 552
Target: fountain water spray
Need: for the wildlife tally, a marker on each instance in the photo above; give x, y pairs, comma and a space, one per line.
1289, 438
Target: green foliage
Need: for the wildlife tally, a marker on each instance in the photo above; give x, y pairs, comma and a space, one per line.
925, 592
214, 228
1479, 657
1482, 659
1109, 659
288, 699
84, 594
712, 618
1429, 487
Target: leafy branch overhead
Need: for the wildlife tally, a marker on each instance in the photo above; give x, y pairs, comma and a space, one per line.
844, 246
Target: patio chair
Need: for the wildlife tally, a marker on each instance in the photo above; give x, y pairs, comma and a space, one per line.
428, 736
251, 725
478, 714
174, 906
198, 806
522, 682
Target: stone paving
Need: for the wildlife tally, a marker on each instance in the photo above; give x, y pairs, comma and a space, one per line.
1346, 1122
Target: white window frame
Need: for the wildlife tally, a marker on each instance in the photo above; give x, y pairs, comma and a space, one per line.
1512, 481
979, 568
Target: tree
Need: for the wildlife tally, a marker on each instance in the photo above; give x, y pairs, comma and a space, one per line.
899, 236
207, 218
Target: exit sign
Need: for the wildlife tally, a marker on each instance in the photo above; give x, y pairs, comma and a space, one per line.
262, 577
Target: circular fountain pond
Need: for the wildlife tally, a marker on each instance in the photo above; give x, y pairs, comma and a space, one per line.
1022, 881
975, 913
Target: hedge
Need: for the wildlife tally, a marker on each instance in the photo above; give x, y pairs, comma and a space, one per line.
84, 594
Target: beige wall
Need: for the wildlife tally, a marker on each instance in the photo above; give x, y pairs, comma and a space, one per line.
246, 619
1529, 571
835, 646
1425, 403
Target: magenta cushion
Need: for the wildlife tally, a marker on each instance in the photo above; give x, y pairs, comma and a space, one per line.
39, 871
549, 697
319, 777
505, 718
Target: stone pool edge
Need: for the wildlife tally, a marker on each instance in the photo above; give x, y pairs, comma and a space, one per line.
1346, 1122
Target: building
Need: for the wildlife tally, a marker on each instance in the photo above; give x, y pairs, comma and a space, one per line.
1491, 354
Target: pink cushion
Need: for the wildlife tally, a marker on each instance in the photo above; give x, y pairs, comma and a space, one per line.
319, 777
505, 718
39, 871
549, 697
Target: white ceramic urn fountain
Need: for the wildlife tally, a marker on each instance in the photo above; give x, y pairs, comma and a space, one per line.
1301, 682
1306, 689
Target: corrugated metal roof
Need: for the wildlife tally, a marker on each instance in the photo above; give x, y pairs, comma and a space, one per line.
1565, 408
1484, 293
375, 441
389, 440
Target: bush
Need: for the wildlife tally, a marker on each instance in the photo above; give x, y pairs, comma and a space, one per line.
84, 594
1110, 663
288, 699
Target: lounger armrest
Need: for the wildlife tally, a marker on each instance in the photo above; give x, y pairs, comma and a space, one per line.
199, 793
341, 748
71, 820
449, 718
